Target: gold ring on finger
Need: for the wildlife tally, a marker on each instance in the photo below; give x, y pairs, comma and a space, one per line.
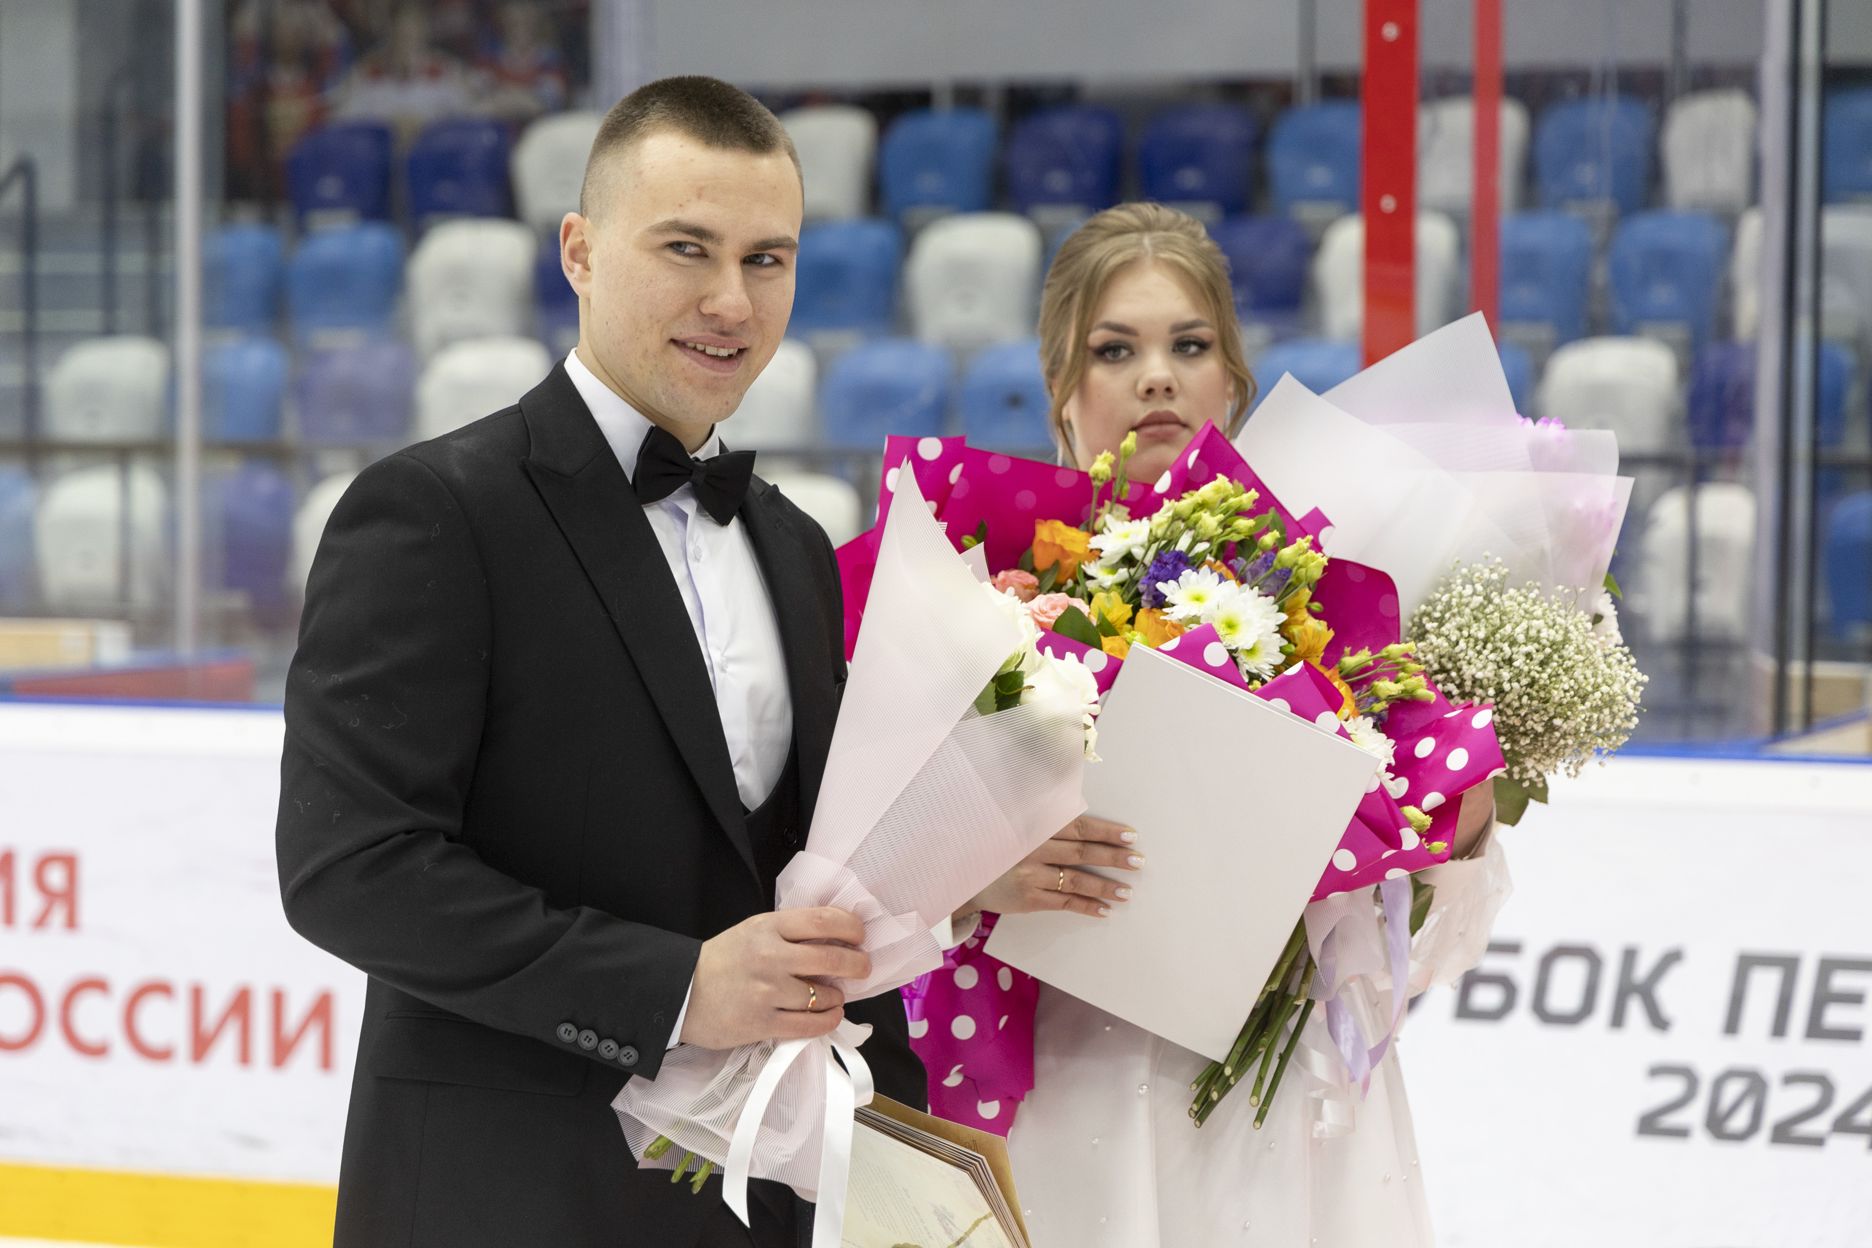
812, 997
1061, 886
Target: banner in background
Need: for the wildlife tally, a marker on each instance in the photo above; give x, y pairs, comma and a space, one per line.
174, 1059
1667, 1045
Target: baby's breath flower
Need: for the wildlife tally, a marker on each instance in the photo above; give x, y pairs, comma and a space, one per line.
1561, 690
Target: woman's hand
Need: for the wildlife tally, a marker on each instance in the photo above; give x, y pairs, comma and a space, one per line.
1053, 877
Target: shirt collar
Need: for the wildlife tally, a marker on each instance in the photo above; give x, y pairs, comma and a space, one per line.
623, 426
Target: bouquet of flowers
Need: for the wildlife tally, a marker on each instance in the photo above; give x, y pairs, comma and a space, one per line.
958, 749
1206, 564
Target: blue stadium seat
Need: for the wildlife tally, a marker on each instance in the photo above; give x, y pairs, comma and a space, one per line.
1846, 561
1268, 259
1594, 152
1065, 158
341, 173
243, 390
893, 386
243, 271
1518, 367
555, 302
1721, 404
458, 168
345, 279
1546, 277
847, 277
1313, 160
18, 501
1846, 146
1666, 270
357, 395
249, 518
1200, 155
1319, 364
1003, 398
937, 161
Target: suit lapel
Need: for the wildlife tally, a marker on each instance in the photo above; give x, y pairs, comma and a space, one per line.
786, 562
592, 502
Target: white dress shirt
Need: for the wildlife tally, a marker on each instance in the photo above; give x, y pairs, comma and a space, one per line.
729, 605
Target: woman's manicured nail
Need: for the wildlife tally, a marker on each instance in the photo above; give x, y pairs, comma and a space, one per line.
1104, 911
1124, 894
1128, 836
1135, 861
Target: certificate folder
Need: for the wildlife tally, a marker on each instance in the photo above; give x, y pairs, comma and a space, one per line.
922, 1182
1238, 806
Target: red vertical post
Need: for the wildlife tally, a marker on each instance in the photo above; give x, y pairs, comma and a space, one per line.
1485, 189
1388, 175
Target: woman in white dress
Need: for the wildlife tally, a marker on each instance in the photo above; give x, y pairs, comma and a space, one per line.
1138, 334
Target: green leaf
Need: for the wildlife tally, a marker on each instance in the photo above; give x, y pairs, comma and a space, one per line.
976, 538
1048, 579
1612, 587
985, 701
1010, 683
1074, 623
1512, 798
1026, 560
1105, 627
1422, 893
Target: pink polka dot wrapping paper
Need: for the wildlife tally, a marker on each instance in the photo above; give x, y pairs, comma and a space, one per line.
971, 1020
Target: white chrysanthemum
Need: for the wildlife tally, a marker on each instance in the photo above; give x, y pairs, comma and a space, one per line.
1122, 539
1605, 619
1248, 622
1193, 594
1368, 736
1561, 692
1066, 683
1101, 575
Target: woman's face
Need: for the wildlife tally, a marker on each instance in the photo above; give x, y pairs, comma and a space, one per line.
1153, 365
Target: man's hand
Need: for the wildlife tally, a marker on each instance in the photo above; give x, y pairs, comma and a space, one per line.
754, 981
1051, 878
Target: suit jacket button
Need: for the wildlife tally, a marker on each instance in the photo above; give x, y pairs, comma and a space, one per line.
607, 1049
588, 1039
567, 1033
627, 1056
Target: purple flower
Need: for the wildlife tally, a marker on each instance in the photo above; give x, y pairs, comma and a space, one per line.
1165, 567
1259, 568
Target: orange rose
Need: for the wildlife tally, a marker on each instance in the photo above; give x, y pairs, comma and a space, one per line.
1310, 638
1117, 647
1056, 542
1155, 627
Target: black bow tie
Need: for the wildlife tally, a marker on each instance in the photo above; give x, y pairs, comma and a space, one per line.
720, 481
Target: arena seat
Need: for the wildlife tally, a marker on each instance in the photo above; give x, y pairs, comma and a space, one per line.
1846, 146
1627, 385
1200, 158
243, 275
549, 168
1665, 272
1709, 152
781, 409
1446, 155
1339, 268
1268, 261
357, 395
837, 144
973, 279
113, 389
846, 280
344, 282
78, 540
1313, 162
243, 389
339, 174
892, 386
1003, 399
936, 161
1846, 563
1546, 279
1725, 564
1319, 364
458, 167
1065, 161
475, 377
1594, 156
308, 527
471, 279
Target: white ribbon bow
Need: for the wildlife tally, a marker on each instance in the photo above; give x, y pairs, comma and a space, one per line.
847, 1087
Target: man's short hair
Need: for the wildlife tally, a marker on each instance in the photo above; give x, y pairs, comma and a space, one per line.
708, 110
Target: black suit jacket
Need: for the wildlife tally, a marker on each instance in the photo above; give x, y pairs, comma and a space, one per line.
506, 796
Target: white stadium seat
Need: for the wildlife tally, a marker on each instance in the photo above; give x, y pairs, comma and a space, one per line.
837, 144
1339, 274
780, 410
78, 539
108, 390
973, 279
831, 501
471, 279
1845, 274
309, 526
549, 168
1446, 155
1627, 385
1725, 564
468, 380
1709, 152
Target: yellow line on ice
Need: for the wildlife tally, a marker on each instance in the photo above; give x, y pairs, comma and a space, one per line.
162, 1210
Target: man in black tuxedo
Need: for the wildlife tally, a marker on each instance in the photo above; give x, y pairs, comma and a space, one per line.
559, 714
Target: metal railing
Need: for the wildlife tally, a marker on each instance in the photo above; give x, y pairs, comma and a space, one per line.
25, 174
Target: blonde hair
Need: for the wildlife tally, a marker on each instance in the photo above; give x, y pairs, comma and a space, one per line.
1086, 264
